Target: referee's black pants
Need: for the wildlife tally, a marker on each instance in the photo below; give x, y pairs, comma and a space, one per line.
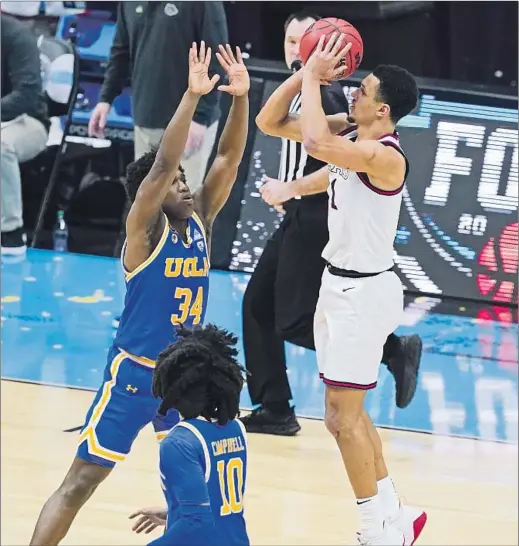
281, 297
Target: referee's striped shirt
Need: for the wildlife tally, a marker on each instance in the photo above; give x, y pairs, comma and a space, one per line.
295, 162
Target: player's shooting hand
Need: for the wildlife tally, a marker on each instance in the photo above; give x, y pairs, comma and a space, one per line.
150, 519
328, 62
237, 73
275, 192
199, 81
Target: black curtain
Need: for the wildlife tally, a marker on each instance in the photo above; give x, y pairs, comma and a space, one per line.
465, 41
483, 42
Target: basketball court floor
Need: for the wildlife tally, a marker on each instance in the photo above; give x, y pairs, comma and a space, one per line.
453, 451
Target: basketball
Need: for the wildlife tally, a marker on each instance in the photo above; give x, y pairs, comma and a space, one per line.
328, 26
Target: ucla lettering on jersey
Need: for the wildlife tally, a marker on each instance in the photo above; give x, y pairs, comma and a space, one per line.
168, 289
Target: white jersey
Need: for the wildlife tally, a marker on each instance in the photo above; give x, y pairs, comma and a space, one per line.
362, 219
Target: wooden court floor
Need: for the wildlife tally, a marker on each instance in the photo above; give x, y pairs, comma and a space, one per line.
297, 491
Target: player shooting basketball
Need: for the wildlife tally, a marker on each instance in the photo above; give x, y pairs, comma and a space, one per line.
361, 298
166, 264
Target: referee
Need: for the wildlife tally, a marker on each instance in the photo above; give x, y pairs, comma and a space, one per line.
281, 296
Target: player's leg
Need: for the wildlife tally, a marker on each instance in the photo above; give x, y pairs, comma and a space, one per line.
121, 408
344, 420
343, 416
410, 521
356, 313
381, 472
61, 508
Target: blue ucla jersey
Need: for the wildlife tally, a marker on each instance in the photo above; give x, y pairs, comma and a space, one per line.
204, 464
168, 289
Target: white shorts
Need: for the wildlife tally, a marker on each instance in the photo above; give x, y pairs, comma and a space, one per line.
352, 321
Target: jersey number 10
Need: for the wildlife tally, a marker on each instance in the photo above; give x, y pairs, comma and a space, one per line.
230, 475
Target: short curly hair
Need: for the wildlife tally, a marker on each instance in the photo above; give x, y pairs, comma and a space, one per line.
198, 374
138, 170
398, 89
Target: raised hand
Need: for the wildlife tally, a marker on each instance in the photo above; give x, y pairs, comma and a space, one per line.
199, 81
328, 62
235, 69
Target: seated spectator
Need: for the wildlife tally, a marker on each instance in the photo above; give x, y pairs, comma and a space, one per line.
25, 124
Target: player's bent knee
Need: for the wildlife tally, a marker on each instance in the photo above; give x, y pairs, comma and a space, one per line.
343, 424
344, 411
81, 481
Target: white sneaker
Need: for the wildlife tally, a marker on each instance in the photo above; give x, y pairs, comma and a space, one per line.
391, 536
410, 521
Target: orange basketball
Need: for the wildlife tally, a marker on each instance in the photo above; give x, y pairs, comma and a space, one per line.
328, 26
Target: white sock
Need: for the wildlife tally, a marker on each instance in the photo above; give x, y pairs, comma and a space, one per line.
371, 517
389, 500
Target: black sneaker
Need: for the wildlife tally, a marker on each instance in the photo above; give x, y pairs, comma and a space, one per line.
14, 243
404, 366
264, 421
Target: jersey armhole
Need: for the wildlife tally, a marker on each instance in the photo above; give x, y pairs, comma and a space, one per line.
400, 151
367, 182
130, 274
203, 443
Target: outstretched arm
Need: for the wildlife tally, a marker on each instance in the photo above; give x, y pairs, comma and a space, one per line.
147, 206
274, 118
213, 194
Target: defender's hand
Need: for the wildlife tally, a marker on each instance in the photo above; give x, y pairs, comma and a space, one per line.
199, 82
235, 69
150, 519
